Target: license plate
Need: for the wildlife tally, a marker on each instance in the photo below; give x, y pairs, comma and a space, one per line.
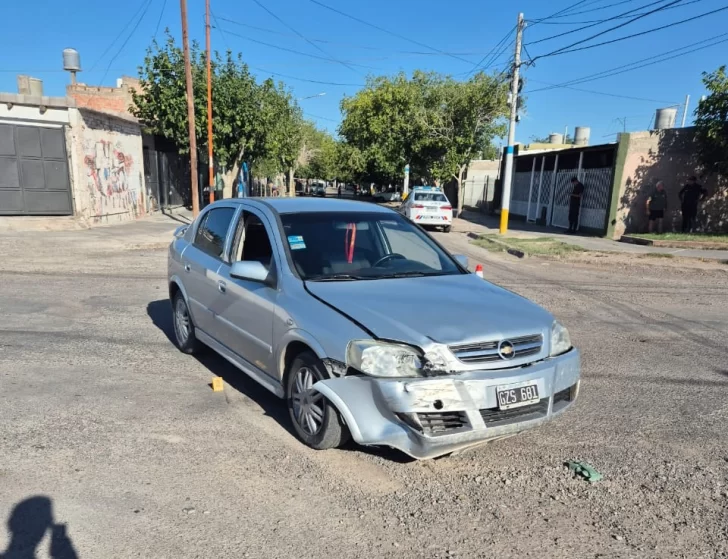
517, 396
430, 210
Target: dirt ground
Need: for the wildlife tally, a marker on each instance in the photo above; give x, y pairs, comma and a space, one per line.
137, 457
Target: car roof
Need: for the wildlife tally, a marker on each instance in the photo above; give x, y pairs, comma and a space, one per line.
310, 205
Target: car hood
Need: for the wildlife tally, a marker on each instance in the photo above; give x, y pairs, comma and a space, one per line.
444, 309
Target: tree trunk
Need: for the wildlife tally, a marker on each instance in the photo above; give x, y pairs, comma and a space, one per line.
291, 186
461, 190
228, 178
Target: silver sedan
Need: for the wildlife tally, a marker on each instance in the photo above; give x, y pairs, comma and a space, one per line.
366, 326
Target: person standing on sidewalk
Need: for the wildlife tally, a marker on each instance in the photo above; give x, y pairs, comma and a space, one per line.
575, 204
690, 195
656, 207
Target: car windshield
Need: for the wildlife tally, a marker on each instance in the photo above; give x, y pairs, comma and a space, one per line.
345, 246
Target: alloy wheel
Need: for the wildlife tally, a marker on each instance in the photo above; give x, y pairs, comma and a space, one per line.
308, 406
181, 321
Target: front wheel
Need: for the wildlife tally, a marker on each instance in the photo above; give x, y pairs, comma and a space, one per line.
315, 420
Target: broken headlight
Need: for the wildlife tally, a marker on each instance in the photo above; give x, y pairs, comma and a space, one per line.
382, 359
560, 339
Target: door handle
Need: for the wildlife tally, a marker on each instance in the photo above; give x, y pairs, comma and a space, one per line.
221, 286
187, 268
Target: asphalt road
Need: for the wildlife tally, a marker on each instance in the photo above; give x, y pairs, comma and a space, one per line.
113, 445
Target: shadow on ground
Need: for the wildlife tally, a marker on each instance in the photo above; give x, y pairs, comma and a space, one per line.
28, 524
493, 222
160, 312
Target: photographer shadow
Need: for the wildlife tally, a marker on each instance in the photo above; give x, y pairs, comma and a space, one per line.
28, 524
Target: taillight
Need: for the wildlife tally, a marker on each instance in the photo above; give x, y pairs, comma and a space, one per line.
417, 206
446, 207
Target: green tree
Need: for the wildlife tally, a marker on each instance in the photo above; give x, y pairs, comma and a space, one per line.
251, 121
711, 123
431, 122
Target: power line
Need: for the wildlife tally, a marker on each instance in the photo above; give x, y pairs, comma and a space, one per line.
383, 30
604, 93
314, 45
494, 57
327, 59
638, 34
159, 21
321, 117
306, 79
641, 63
619, 16
121, 48
556, 14
123, 29
351, 45
565, 49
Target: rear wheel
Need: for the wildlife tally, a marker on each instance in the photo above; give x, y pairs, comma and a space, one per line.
315, 420
447, 229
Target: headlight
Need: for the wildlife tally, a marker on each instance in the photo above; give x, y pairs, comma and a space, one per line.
380, 359
560, 339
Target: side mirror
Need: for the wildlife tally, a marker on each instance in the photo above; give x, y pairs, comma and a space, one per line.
462, 260
249, 271
180, 231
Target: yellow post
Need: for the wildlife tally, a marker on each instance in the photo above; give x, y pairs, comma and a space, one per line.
217, 384
504, 221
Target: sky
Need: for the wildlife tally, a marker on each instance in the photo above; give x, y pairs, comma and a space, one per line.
448, 37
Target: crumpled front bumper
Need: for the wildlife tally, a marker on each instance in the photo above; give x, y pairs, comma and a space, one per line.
463, 408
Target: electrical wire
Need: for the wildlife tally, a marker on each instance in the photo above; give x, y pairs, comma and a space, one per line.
493, 57
321, 117
159, 21
635, 34
126, 41
295, 78
569, 48
619, 16
301, 53
642, 63
383, 30
595, 92
556, 14
310, 42
123, 29
352, 45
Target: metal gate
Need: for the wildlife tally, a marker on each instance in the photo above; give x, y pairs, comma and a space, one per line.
34, 171
166, 174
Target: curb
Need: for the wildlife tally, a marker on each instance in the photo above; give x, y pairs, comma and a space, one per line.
707, 245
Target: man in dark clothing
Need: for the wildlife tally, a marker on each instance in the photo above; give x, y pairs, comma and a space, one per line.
575, 204
690, 195
656, 207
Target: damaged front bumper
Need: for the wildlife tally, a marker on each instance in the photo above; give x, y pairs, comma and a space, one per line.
430, 417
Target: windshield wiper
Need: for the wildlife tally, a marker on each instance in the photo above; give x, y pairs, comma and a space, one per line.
411, 274
337, 277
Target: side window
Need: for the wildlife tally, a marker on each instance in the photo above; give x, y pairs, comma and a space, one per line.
211, 233
254, 241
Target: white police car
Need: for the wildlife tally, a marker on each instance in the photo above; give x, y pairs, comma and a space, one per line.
429, 207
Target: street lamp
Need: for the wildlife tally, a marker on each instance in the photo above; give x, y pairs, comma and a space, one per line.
312, 96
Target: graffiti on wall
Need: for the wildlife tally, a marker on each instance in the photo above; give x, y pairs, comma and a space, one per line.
112, 185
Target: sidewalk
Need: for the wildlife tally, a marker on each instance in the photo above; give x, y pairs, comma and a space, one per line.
481, 224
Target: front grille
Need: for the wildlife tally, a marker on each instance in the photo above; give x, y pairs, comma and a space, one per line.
493, 417
485, 352
439, 422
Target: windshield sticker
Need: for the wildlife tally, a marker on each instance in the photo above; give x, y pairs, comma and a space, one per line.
296, 242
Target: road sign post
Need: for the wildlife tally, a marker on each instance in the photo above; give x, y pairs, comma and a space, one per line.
406, 179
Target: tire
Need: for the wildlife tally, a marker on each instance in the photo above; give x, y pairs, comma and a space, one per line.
184, 329
447, 229
316, 421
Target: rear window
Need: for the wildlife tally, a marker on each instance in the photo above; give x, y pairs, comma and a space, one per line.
430, 197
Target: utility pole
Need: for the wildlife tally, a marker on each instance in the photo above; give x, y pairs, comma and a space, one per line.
685, 111
190, 111
211, 165
508, 173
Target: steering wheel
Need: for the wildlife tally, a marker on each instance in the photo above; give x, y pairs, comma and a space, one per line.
387, 257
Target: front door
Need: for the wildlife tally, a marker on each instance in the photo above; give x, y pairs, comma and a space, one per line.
246, 316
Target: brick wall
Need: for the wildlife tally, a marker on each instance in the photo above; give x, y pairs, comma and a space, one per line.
669, 156
115, 100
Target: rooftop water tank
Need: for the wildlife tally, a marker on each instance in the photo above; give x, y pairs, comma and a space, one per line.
665, 118
555, 138
36, 87
71, 60
581, 135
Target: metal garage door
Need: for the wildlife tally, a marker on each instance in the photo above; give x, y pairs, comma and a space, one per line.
33, 171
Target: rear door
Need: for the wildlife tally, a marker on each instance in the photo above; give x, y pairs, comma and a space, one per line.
201, 262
